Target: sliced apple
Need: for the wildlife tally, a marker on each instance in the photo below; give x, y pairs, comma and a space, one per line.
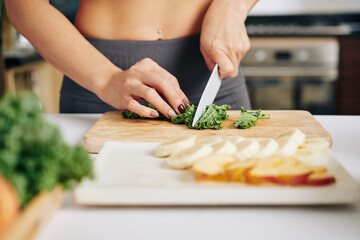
237, 171
293, 176
289, 162
319, 179
262, 174
273, 161
212, 167
315, 169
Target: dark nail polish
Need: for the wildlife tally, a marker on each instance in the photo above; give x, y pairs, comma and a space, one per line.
186, 102
181, 108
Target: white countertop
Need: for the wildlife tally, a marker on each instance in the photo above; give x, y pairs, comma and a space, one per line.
313, 222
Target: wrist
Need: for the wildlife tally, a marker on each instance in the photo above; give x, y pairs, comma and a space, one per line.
240, 7
104, 81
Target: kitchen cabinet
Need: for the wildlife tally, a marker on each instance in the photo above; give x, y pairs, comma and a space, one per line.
39, 77
348, 88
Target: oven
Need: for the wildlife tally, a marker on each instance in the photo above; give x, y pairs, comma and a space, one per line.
292, 73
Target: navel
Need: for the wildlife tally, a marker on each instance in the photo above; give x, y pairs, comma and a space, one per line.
159, 32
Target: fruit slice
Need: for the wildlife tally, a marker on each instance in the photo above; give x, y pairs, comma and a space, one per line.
246, 149
260, 175
295, 135
167, 148
237, 171
315, 169
315, 144
272, 161
186, 158
225, 147
208, 141
319, 179
287, 146
268, 147
212, 167
290, 162
234, 139
312, 156
293, 176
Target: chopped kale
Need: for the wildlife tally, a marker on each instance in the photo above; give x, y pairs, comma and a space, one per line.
248, 119
212, 118
131, 115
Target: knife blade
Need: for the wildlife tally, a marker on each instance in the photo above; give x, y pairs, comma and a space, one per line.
209, 94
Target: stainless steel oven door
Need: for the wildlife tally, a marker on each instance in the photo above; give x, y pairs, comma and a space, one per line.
292, 73
312, 94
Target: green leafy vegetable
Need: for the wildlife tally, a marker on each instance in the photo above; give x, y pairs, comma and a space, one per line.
33, 155
131, 115
248, 119
211, 119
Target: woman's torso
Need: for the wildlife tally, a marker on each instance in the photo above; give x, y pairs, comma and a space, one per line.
140, 19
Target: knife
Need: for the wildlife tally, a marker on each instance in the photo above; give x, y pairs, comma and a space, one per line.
209, 94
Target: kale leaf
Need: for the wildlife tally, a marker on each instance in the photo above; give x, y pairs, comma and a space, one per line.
248, 119
211, 119
33, 155
131, 115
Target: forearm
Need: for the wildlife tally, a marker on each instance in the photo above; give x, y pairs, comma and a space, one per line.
240, 7
60, 43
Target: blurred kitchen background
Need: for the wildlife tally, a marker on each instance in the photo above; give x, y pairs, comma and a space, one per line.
305, 55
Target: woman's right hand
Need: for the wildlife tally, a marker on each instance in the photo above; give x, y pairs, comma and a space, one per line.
145, 80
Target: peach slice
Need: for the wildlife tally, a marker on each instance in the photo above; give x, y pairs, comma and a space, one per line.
236, 172
272, 161
319, 179
212, 167
315, 169
290, 162
260, 175
293, 176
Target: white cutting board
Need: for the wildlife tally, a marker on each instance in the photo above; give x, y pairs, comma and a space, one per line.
128, 173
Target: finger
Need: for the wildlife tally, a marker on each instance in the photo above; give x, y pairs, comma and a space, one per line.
137, 108
224, 62
185, 100
167, 85
235, 61
153, 97
209, 63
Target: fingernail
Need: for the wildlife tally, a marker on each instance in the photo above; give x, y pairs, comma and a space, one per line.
181, 108
172, 114
154, 114
186, 102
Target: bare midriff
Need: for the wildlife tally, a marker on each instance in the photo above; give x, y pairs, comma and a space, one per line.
140, 19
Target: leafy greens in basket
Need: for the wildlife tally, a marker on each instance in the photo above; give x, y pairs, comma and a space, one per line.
211, 119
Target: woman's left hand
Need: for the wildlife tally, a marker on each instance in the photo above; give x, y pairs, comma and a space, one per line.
224, 39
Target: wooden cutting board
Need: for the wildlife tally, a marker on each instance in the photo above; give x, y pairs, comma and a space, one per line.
113, 127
